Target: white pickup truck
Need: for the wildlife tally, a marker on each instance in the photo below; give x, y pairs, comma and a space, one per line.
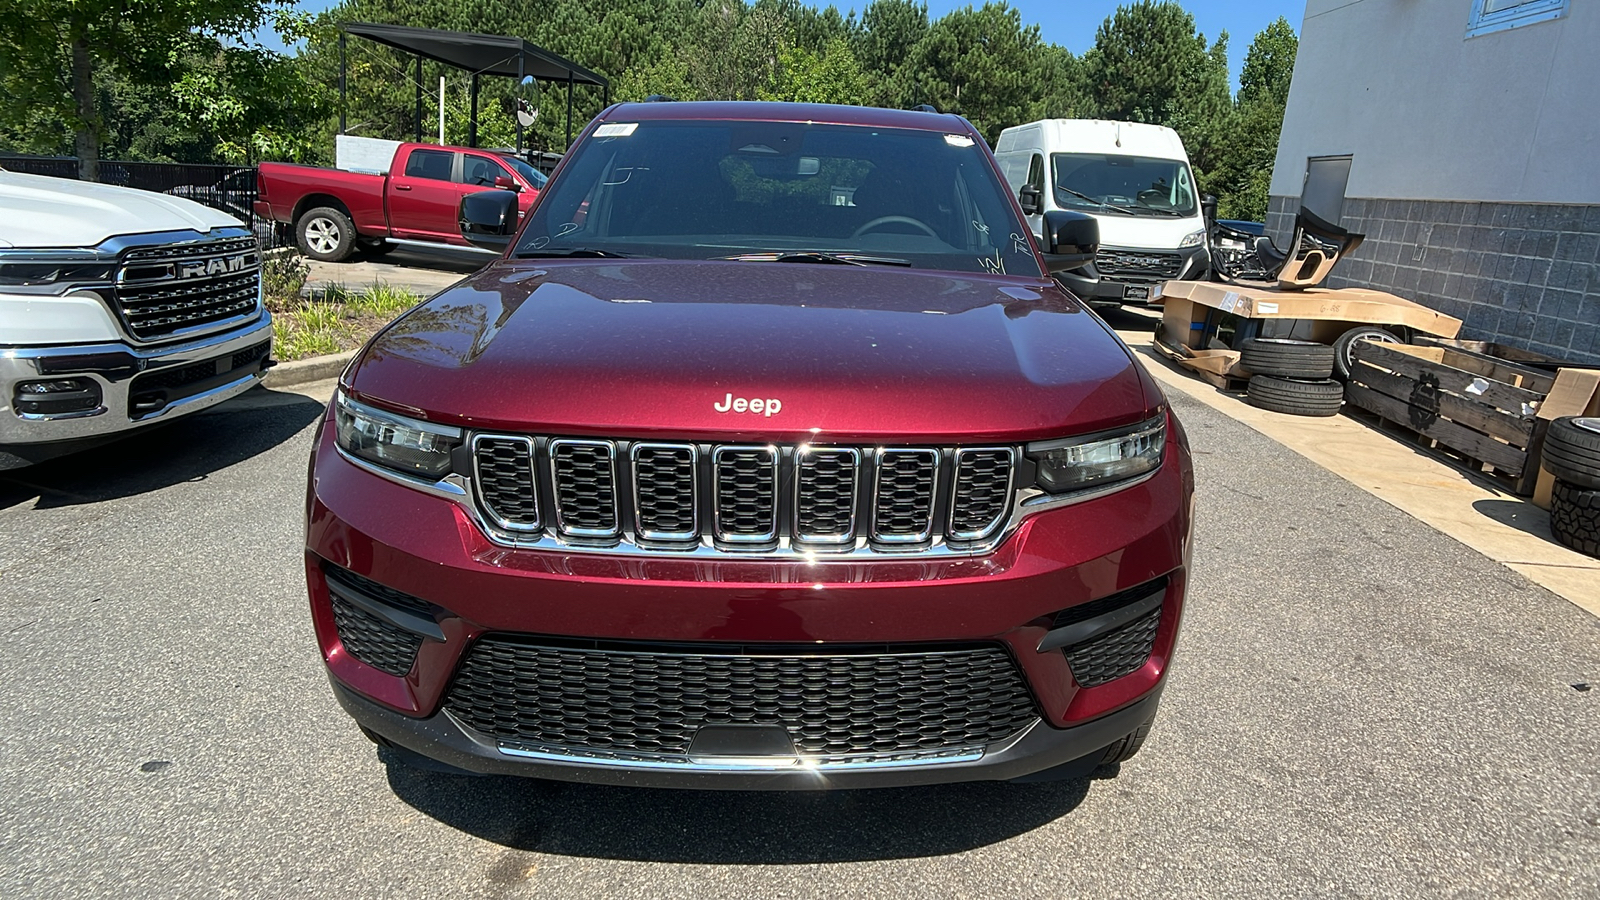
118, 308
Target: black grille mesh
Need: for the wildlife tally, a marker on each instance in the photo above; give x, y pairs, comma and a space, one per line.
664, 476
1114, 655
981, 492
904, 502
251, 355
505, 480
161, 308
746, 492
654, 702
827, 481
1150, 264
586, 493
374, 641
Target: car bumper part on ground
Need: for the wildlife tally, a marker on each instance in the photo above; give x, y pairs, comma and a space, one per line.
137, 385
429, 549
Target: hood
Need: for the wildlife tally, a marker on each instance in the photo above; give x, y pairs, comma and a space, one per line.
1146, 232
40, 211
654, 348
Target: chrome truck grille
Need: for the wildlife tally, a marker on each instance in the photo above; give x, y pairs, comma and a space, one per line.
174, 290
739, 497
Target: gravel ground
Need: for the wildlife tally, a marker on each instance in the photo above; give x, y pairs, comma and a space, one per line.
1360, 707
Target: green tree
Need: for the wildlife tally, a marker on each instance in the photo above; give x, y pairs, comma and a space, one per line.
977, 62
52, 51
832, 76
1243, 177
882, 44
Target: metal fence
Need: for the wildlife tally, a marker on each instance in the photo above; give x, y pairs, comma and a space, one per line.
231, 189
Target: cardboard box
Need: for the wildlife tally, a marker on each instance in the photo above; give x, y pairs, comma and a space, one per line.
1347, 306
1576, 393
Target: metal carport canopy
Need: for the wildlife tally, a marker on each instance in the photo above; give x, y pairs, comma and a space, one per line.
479, 54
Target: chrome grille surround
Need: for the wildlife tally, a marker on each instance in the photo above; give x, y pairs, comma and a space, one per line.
585, 467
746, 507
663, 499
499, 464
826, 491
984, 476
903, 495
171, 291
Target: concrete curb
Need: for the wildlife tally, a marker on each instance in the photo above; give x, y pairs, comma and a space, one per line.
278, 252
304, 371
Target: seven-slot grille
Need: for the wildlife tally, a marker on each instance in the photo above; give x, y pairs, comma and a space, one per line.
653, 699
162, 291
1139, 263
671, 496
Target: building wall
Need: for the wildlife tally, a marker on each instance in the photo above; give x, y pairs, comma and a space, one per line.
1474, 174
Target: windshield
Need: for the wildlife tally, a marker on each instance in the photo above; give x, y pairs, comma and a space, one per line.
802, 192
529, 173
1126, 185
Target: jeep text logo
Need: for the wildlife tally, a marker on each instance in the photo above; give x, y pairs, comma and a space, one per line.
217, 265
767, 407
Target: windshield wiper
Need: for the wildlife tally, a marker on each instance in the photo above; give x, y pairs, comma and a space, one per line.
811, 256
1100, 203
558, 252
1161, 210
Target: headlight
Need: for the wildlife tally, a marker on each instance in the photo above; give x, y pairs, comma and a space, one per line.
1071, 464
394, 442
53, 270
1192, 240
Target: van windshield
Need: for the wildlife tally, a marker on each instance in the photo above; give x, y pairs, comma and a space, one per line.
1123, 185
781, 191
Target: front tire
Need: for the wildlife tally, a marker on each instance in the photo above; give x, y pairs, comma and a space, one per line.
325, 234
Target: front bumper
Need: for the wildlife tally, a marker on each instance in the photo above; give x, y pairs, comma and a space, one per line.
166, 381
429, 548
1092, 283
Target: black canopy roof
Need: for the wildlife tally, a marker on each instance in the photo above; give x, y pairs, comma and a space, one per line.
485, 54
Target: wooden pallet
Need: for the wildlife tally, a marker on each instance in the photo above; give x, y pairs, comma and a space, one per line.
1471, 408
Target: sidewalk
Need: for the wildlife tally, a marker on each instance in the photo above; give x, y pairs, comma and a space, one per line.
1497, 524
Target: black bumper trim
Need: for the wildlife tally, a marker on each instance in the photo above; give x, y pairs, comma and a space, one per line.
1046, 751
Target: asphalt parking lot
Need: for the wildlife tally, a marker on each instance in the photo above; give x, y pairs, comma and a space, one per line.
1359, 707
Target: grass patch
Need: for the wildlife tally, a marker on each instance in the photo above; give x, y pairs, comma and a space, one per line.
332, 320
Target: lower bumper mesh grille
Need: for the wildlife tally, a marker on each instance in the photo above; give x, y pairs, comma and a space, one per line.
374, 641
1116, 654
639, 700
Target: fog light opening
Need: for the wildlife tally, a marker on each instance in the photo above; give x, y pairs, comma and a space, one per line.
57, 397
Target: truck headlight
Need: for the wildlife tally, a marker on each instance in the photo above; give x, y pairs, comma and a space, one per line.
1192, 240
1070, 464
395, 442
51, 271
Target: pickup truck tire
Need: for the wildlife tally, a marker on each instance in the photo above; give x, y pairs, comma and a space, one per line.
1575, 517
1286, 359
1572, 451
369, 247
325, 233
1345, 344
1296, 398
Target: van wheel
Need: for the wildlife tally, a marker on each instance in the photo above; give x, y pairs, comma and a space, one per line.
325, 233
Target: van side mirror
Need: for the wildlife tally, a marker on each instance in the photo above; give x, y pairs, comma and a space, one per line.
1031, 198
488, 219
1208, 207
1071, 239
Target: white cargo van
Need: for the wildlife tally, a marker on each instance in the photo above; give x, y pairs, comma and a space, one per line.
1135, 179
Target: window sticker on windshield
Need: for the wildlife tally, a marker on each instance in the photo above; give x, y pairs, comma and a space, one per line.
958, 140
616, 129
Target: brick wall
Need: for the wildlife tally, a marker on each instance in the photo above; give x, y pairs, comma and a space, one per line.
1522, 274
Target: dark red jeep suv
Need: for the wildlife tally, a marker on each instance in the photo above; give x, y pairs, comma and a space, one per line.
768, 456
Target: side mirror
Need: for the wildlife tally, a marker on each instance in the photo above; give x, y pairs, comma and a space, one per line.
1208, 207
488, 219
502, 183
1032, 199
1071, 239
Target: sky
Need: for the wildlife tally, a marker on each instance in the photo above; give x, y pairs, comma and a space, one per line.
1072, 23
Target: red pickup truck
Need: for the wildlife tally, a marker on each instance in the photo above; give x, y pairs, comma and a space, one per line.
335, 213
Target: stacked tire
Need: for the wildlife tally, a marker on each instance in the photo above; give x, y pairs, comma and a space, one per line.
1292, 377
1572, 455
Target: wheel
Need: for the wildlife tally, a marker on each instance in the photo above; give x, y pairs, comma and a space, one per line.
1124, 749
890, 220
1572, 451
1297, 398
1575, 517
1287, 359
369, 247
325, 233
1343, 345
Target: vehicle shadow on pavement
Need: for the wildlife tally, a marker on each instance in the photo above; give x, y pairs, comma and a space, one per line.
1519, 514
189, 449
741, 827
